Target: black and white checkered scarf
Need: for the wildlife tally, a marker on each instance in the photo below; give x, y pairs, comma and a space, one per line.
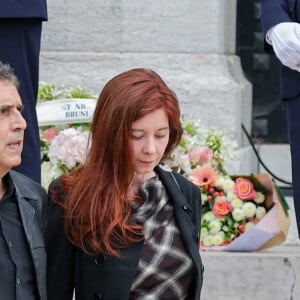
165, 270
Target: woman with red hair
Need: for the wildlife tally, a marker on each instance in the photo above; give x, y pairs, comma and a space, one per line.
120, 227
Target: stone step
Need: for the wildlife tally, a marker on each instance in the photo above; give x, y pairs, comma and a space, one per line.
272, 274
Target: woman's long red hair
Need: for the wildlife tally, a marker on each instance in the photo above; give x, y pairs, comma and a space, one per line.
98, 212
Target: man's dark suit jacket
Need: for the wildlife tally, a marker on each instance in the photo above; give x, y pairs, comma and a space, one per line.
32, 202
23, 9
20, 40
274, 12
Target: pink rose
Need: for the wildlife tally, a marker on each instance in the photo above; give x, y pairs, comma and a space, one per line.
201, 156
50, 134
222, 208
244, 189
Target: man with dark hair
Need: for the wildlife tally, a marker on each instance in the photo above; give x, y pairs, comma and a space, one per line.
280, 23
22, 205
20, 39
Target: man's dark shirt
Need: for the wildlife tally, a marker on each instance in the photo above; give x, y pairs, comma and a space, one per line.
17, 275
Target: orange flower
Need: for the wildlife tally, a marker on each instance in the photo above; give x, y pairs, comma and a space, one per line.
203, 175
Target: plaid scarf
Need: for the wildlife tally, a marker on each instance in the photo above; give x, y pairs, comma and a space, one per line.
165, 270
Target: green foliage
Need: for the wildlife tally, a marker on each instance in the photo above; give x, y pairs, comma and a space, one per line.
82, 126
214, 141
49, 91
79, 92
191, 128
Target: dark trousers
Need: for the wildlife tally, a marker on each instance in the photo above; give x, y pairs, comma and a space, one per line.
293, 117
20, 41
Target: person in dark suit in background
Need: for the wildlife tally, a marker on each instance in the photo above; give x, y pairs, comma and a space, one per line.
23, 204
121, 227
280, 22
20, 39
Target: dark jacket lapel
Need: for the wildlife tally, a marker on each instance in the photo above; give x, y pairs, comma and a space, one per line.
182, 209
28, 203
27, 214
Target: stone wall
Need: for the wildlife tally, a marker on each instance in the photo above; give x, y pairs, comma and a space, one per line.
190, 43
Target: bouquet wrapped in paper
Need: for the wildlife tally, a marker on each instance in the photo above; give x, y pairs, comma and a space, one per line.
239, 213
247, 214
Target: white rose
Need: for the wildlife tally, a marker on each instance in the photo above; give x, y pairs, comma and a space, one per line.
208, 240
209, 216
228, 185
214, 226
231, 196
260, 212
249, 209
218, 239
238, 214
259, 198
237, 203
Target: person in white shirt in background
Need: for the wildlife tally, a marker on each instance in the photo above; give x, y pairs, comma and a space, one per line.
280, 23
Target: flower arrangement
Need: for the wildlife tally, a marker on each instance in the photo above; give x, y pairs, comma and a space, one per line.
63, 147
